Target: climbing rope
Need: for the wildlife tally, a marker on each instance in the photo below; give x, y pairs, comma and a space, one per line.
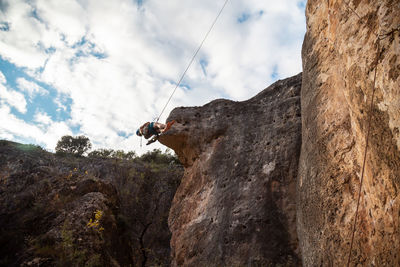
366, 144
191, 61
378, 39
365, 155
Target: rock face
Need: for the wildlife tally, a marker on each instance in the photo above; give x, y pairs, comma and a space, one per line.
236, 203
340, 52
46, 203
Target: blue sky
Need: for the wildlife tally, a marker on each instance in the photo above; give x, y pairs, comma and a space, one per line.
102, 68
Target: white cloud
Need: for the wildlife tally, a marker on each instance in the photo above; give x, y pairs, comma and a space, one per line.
12, 98
20, 45
59, 102
54, 132
3, 79
66, 17
30, 87
42, 118
11, 125
46, 135
119, 67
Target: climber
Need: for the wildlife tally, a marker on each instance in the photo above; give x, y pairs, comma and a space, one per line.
153, 128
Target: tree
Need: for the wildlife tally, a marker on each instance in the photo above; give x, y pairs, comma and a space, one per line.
120, 154
112, 154
157, 156
101, 153
73, 145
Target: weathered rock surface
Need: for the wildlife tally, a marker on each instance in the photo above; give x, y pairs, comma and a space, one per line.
339, 55
236, 203
46, 203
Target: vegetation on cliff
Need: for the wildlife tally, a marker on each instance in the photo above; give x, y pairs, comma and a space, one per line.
79, 211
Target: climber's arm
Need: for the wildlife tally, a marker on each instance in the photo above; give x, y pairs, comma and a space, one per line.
159, 127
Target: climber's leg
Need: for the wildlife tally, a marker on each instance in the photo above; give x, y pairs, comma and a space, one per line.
152, 140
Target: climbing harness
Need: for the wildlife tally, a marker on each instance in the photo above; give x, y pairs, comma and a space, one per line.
151, 130
191, 61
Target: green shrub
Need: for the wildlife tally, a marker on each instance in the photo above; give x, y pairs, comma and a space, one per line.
111, 153
156, 156
73, 145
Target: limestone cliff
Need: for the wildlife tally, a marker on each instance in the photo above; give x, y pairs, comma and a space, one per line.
236, 202
340, 53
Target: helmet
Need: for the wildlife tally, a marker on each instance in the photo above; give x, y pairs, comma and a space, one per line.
138, 133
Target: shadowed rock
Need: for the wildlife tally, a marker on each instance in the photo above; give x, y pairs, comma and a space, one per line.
236, 203
47, 201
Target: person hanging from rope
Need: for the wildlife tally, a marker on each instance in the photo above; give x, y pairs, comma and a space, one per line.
154, 129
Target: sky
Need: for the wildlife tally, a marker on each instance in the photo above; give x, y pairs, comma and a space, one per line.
102, 68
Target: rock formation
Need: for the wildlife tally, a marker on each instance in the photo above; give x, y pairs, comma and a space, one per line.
265, 182
236, 203
47, 201
340, 54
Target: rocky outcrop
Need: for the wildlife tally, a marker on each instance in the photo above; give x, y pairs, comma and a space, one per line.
236, 203
245, 199
340, 54
69, 211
